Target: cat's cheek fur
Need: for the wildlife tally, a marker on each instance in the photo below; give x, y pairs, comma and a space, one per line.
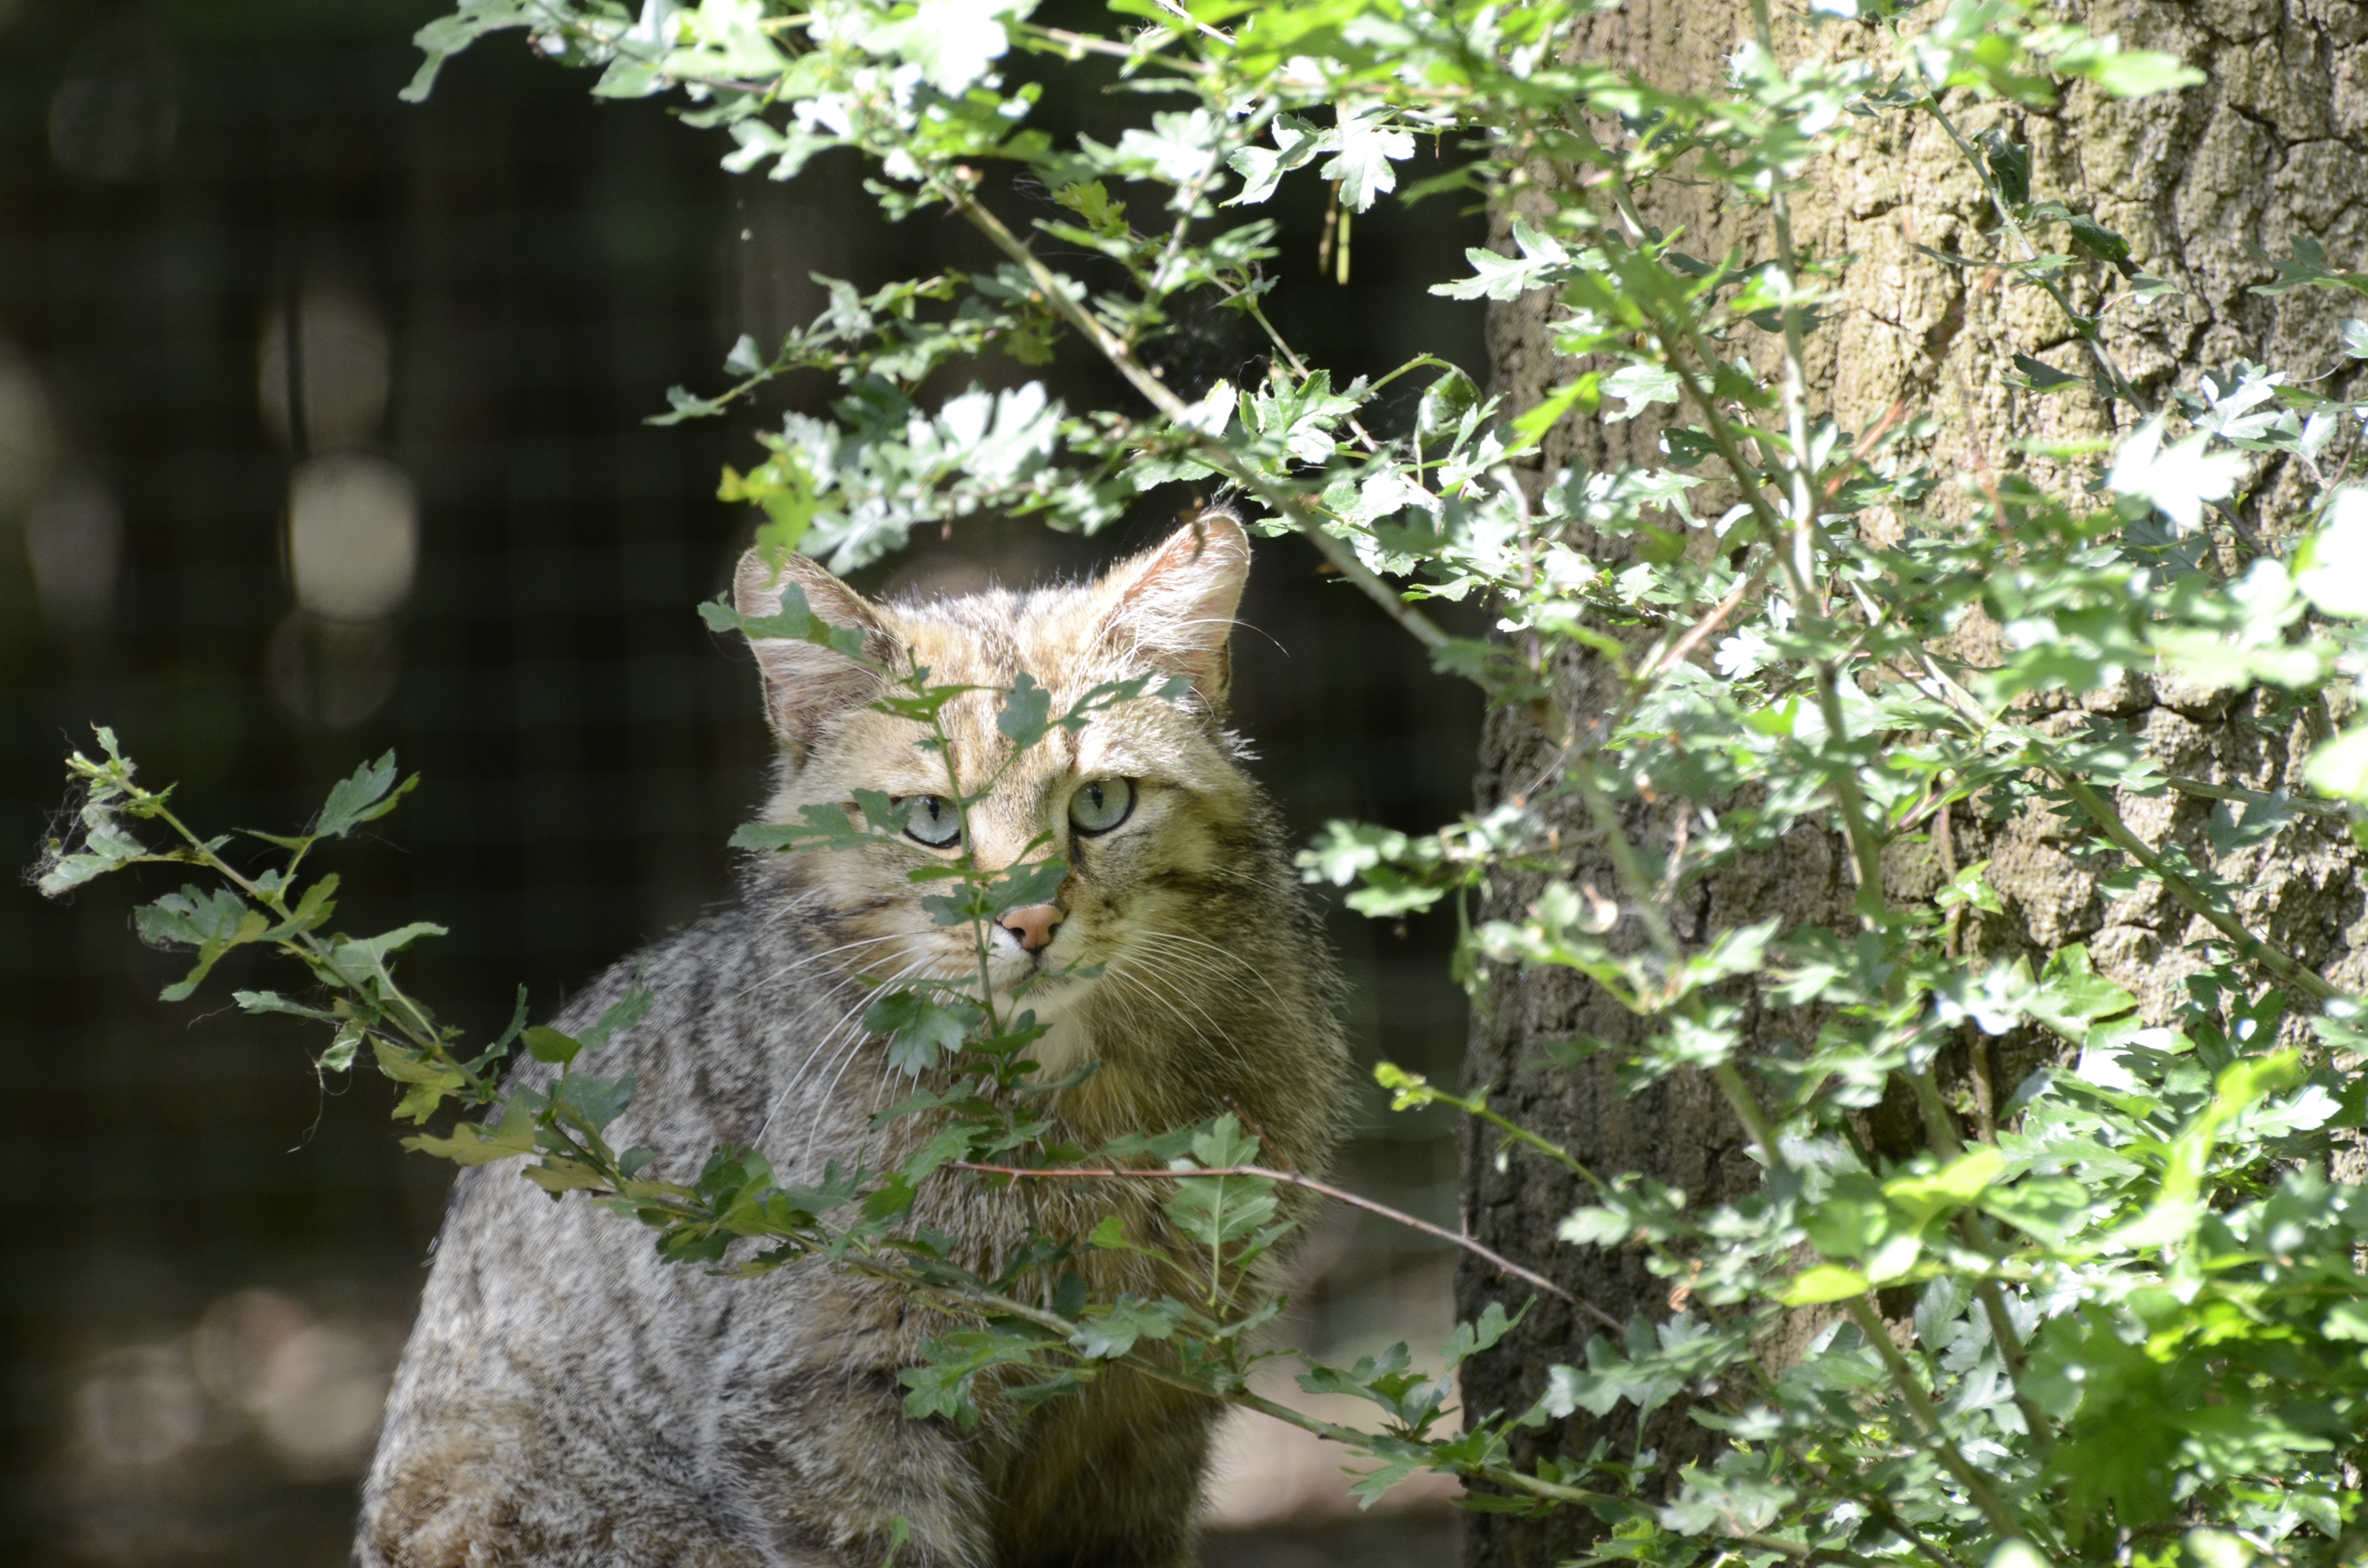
569, 1400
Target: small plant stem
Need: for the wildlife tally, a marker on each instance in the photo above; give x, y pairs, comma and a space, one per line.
1515, 1133
1624, 860
1120, 1173
1684, 647
1746, 474
1137, 1361
1940, 1126
1748, 1112
1174, 9
1796, 377
1074, 44
975, 877
2291, 969
1952, 1459
1864, 844
1798, 1552
311, 949
1801, 565
1209, 449
2085, 326
2331, 810
1940, 1129
1188, 201
2010, 1350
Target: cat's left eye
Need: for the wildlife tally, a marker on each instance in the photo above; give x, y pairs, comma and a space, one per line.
934, 821
1101, 804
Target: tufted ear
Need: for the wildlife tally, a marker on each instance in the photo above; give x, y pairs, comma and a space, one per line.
807, 683
1174, 604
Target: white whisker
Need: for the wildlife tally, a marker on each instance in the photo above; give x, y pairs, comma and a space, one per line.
1230, 956
827, 1036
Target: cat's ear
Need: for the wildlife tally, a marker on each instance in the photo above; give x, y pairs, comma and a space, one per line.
806, 684
1174, 604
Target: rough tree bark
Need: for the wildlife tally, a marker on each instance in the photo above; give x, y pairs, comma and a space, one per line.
2273, 147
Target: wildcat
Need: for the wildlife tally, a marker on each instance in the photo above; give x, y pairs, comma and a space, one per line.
567, 1399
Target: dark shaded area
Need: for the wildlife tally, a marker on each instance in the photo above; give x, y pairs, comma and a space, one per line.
1355, 1544
210, 1258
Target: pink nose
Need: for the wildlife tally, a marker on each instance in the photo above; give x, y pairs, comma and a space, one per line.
1033, 925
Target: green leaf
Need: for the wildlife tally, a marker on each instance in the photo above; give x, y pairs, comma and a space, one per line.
365, 797
1540, 264
1029, 883
2140, 73
2099, 241
104, 847
1223, 1142
312, 912
429, 1084
471, 1143
448, 36
818, 827
2042, 376
595, 1101
340, 1054
2306, 268
549, 1045
363, 961
1365, 146
2347, 1320
1470, 1339
1639, 387
1217, 1212
213, 922
622, 1014
272, 1001
2331, 567
1822, 1282
953, 41
2178, 479
1111, 1331
921, 1029
2009, 166
787, 494
1297, 143
1026, 713
1953, 1185
727, 40
2339, 767
2071, 996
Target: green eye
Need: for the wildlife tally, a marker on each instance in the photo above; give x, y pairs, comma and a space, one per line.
1101, 804
934, 821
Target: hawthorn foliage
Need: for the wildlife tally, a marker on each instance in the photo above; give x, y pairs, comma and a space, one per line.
2139, 1330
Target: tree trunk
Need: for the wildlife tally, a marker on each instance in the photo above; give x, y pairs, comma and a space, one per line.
2274, 148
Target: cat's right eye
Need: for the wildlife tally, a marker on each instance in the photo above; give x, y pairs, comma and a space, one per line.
934, 821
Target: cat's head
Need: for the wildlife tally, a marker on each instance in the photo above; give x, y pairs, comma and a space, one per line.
1143, 805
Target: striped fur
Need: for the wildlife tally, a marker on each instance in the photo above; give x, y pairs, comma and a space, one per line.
568, 1400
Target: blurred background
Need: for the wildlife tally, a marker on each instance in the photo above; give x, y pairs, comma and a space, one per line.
321, 434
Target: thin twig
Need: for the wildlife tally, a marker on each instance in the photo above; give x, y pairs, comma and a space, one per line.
1144, 1365
2091, 331
2330, 809
1685, 646
1208, 448
2278, 963
1952, 1459
1291, 1179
